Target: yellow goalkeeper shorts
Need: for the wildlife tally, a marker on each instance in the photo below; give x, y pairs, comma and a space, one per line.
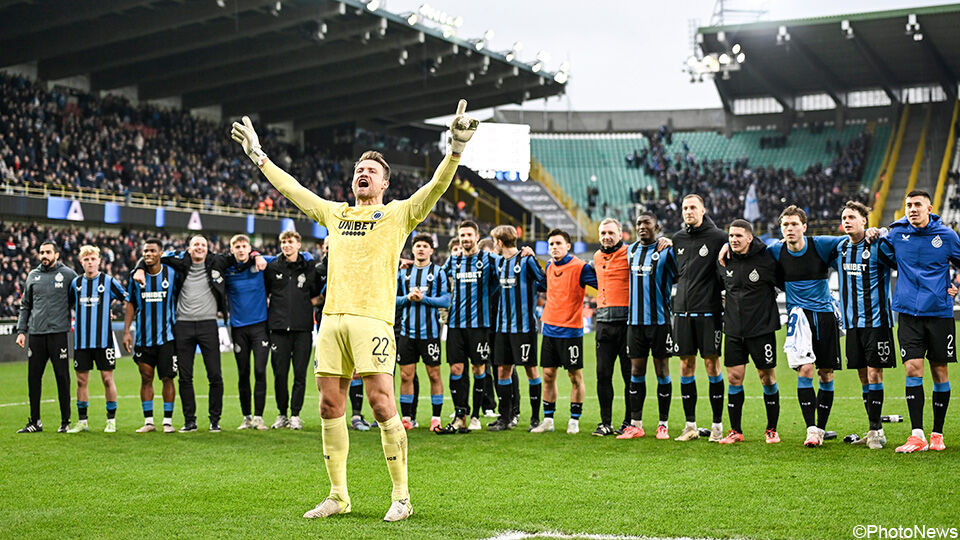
350, 342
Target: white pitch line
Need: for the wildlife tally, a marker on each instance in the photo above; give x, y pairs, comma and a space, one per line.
520, 535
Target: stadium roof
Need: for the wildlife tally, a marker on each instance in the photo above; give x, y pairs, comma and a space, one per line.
886, 50
315, 62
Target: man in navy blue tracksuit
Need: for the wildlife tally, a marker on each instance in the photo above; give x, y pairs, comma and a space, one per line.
924, 248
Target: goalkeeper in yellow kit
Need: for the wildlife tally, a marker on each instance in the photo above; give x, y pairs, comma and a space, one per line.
356, 331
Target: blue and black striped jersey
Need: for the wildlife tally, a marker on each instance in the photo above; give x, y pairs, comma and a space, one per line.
419, 320
473, 282
155, 307
91, 299
652, 275
521, 278
864, 272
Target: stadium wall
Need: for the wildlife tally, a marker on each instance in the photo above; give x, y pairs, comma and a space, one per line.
680, 119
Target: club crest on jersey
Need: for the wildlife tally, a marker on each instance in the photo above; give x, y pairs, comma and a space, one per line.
100, 289
429, 277
301, 279
165, 284
58, 277
516, 268
479, 264
936, 242
704, 251
865, 254
216, 276
377, 215
655, 256
754, 276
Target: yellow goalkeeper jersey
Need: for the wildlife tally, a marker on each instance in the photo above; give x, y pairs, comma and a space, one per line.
365, 241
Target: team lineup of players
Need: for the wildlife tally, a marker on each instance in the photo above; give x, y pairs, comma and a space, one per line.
725, 285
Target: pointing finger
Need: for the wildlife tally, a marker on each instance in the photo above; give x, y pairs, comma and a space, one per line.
461, 107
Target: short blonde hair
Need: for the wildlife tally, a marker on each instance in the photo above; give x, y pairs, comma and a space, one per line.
89, 250
506, 234
378, 157
239, 238
289, 234
609, 220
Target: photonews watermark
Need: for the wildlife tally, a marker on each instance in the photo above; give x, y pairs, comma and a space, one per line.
912, 532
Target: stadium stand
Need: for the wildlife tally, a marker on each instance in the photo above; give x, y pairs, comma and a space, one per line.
815, 166
89, 143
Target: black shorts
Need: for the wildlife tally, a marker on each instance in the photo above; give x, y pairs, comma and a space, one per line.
84, 359
763, 350
163, 358
930, 337
870, 347
515, 349
562, 352
654, 339
825, 335
411, 350
468, 343
702, 332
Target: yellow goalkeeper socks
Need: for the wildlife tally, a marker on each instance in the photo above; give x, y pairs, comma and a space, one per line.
336, 445
394, 439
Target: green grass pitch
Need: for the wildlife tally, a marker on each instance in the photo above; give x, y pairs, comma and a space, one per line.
240, 484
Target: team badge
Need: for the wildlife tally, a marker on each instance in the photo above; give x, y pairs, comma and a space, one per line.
704, 251
479, 264
216, 276
236, 348
754, 276
301, 279
655, 256
377, 215
936, 242
100, 289
516, 268
429, 277
59, 276
866, 254
165, 284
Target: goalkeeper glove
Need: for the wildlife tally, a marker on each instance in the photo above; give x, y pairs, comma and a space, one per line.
461, 129
247, 137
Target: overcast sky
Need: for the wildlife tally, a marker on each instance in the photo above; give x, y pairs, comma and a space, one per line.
624, 55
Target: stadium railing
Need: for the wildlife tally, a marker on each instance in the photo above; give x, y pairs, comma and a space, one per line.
886, 173
945, 165
540, 174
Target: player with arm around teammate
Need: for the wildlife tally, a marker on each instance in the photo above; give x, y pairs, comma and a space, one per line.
91, 296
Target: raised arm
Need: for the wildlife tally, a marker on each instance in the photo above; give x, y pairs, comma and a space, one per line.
422, 202
307, 201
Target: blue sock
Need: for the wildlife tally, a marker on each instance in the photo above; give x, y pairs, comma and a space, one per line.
111, 409
639, 379
147, 406
663, 380
505, 382
772, 389
914, 381
735, 389
804, 382
715, 378
356, 382
688, 380
532, 382
828, 386
480, 377
941, 386
878, 386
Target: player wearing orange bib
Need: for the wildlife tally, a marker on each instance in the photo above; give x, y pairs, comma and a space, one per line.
563, 328
357, 327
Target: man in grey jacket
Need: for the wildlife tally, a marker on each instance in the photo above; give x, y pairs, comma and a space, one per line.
45, 316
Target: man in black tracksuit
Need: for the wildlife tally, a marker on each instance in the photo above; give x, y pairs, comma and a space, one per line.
200, 294
45, 316
750, 321
291, 286
697, 312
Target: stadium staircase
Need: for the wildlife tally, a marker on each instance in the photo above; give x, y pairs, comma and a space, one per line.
928, 159
907, 161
